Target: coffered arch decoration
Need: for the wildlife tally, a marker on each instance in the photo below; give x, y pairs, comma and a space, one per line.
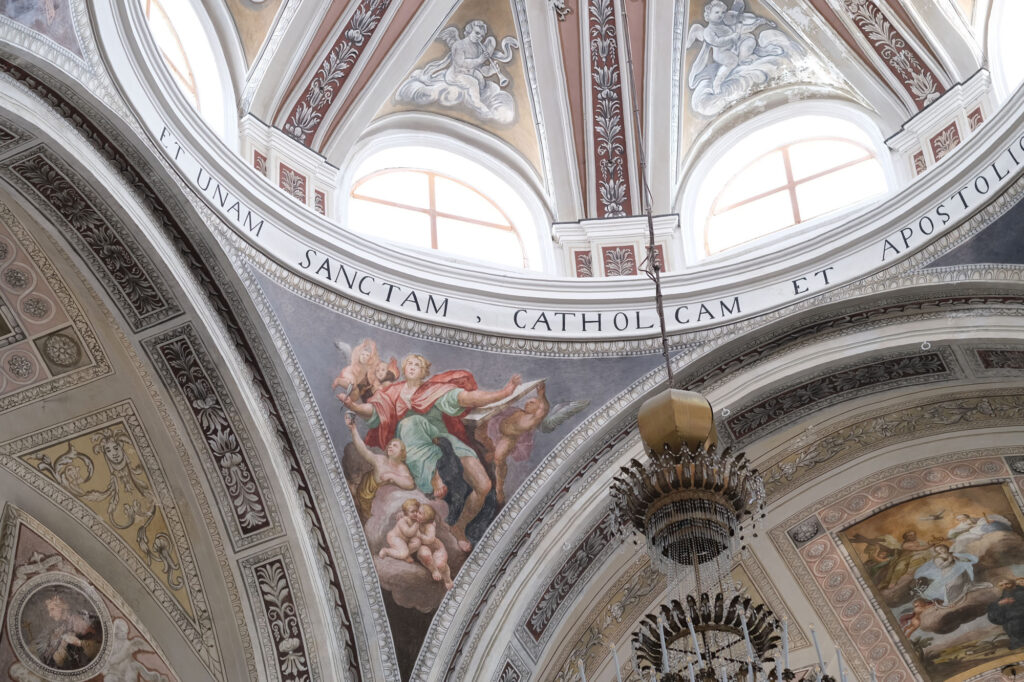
194, 258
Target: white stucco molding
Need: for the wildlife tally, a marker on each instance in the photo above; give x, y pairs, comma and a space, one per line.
493, 301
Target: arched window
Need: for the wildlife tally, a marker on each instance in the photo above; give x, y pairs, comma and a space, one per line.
783, 175
1006, 50
192, 60
434, 211
437, 199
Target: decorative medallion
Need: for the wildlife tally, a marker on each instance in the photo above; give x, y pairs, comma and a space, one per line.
59, 627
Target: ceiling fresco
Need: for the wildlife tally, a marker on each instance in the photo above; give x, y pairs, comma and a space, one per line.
61, 620
51, 18
420, 425
475, 71
208, 462
254, 22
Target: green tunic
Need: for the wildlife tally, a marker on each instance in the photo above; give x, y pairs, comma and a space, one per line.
418, 431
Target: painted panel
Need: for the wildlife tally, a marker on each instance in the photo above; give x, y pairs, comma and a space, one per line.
62, 622
52, 18
433, 439
292, 182
948, 572
945, 141
473, 72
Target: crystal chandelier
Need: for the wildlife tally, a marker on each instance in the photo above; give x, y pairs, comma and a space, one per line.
694, 504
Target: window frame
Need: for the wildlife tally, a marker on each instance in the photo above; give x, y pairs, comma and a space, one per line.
431, 210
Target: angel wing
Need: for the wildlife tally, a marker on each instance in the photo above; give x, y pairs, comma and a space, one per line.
560, 413
346, 349
696, 33
449, 35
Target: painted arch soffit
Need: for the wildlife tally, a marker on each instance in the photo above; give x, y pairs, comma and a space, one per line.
42, 577
478, 70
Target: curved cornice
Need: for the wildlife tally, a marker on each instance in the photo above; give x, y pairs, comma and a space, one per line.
787, 271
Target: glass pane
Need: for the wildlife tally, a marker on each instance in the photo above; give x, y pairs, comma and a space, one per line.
765, 174
817, 156
750, 221
839, 189
476, 241
457, 199
400, 186
388, 222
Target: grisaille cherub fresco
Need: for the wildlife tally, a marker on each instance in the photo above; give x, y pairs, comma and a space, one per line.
434, 440
948, 569
739, 53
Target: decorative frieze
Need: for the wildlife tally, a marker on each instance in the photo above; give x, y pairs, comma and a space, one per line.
208, 409
280, 617
308, 113
610, 161
101, 469
770, 412
130, 278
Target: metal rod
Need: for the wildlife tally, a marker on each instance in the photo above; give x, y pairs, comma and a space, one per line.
653, 267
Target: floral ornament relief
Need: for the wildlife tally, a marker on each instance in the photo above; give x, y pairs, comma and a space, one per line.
334, 71
946, 141
917, 79
606, 106
285, 628
221, 439
619, 261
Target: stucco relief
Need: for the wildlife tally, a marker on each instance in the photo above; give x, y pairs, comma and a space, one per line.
246, 500
102, 470
61, 620
46, 344
100, 237
841, 443
274, 594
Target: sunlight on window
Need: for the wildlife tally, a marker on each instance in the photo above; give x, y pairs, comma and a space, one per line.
1007, 49
191, 59
427, 209
172, 49
789, 185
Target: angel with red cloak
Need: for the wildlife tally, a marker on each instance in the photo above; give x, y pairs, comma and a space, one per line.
421, 409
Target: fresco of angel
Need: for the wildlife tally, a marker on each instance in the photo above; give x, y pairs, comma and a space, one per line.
733, 60
430, 470
951, 585
462, 78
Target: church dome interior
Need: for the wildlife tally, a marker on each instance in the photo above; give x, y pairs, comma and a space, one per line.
326, 329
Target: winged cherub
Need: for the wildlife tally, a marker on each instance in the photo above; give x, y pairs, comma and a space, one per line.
729, 37
462, 76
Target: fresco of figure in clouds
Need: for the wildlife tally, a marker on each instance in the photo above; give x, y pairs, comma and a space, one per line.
462, 78
431, 470
365, 373
944, 585
739, 52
